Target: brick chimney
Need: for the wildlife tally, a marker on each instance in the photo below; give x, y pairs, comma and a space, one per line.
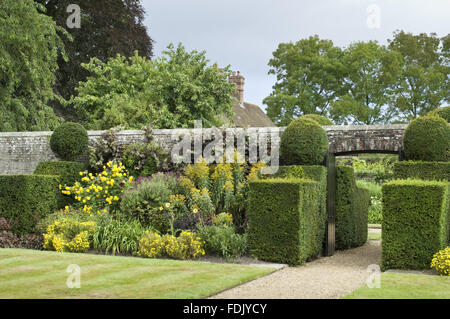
238, 80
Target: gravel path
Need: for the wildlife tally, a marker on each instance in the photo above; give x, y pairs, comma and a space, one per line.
326, 277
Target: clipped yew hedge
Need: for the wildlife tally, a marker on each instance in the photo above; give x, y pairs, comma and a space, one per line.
284, 220
415, 222
26, 199
68, 172
422, 170
352, 210
316, 173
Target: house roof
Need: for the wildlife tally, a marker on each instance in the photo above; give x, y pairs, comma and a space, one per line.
250, 115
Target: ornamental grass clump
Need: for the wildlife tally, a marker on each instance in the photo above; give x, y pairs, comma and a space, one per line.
99, 193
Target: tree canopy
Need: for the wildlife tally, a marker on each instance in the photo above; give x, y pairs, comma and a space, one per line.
107, 28
309, 73
425, 70
168, 92
364, 83
29, 49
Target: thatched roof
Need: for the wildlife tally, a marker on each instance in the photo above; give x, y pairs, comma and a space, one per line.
250, 115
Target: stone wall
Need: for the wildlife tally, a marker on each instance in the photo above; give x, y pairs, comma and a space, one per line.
21, 152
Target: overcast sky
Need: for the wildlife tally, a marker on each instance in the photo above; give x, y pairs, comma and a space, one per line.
244, 33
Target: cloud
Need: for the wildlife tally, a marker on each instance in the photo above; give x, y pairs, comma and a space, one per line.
245, 33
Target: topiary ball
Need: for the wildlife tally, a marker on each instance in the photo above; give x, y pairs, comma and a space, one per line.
303, 142
322, 120
427, 139
69, 140
443, 112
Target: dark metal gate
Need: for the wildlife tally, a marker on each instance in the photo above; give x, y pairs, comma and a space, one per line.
330, 231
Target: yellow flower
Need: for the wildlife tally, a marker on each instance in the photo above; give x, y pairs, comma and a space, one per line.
167, 205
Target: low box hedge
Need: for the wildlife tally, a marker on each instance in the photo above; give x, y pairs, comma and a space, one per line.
284, 218
352, 210
25, 199
415, 222
422, 170
68, 173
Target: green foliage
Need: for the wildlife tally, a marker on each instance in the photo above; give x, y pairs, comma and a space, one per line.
105, 149
168, 92
145, 159
443, 112
118, 237
422, 170
363, 83
415, 222
285, 220
29, 50
223, 241
423, 84
103, 34
26, 199
144, 201
69, 140
371, 71
303, 142
427, 139
309, 77
223, 188
378, 170
375, 195
352, 206
68, 173
322, 120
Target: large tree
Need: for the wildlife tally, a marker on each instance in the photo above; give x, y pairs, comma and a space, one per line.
424, 83
29, 49
309, 76
371, 72
107, 28
170, 91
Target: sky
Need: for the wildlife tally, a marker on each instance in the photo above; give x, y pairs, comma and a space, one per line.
244, 33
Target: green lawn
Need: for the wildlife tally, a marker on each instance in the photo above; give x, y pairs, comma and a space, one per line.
42, 274
406, 286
